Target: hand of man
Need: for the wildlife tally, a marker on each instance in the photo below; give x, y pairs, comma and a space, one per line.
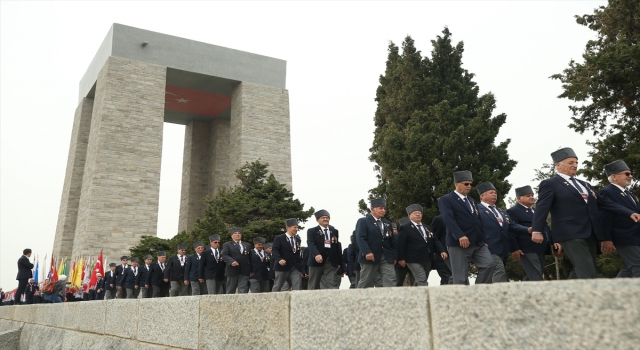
464, 242
235, 263
146, 286
282, 262
516, 255
444, 256
186, 283
250, 274
111, 285
635, 217
370, 257
166, 280
201, 280
607, 247
402, 263
537, 237
319, 259
529, 230
136, 287
557, 249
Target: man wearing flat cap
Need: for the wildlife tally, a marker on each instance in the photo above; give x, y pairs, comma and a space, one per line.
211, 269
442, 266
99, 287
121, 293
141, 279
377, 246
236, 255
496, 224
175, 272
575, 222
156, 280
465, 238
417, 246
325, 254
621, 230
287, 256
401, 271
259, 275
110, 282
128, 280
268, 249
192, 269
524, 250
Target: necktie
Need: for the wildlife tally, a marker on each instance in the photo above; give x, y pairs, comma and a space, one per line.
424, 235
495, 213
216, 254
469, 204
240, 247
575, 183
135, 271
326, 234
182, 259
162, 267
261, 256
630, 198
293, 245
379, 224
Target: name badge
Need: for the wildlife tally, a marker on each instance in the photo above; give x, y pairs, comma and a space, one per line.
327, 244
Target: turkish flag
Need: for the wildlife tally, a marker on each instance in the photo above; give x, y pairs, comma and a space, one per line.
197, 102
96, 269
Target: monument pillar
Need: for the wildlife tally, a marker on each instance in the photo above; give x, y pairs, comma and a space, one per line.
120, 186
195, 172
259, 129
68, 214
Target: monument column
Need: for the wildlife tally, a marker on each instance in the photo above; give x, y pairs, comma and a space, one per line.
195, 173
68, 215
120, 186
220, 172
260, 129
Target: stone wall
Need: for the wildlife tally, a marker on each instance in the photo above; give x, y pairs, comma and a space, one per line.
586, 314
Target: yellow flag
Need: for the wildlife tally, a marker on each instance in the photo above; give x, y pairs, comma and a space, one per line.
61, 269
77, 274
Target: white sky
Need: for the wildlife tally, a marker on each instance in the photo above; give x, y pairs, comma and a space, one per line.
335, 52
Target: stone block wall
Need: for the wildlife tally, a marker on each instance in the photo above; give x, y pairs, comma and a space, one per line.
585, 314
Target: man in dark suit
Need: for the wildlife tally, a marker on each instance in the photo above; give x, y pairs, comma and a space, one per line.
442, 266
524, 250
621, 230
30, 291
128, 280
24, 273
401, 271
192, 269
417, 245
120, 269
575, 222
268, 249
259, 275
212, 267
287, 255
156, 281
353, 253
141, 279
377, 246
100, 287
110, 282
465, 238
324, 254
175, 272
496, 224
236, 255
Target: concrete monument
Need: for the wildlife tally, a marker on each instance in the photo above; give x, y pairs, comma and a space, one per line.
235, 108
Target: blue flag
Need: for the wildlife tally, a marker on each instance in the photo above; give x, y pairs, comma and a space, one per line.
35, 278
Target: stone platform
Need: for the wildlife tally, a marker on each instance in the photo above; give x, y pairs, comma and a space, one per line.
586, 314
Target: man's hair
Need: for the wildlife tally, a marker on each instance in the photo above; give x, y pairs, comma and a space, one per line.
610, 178
26, 251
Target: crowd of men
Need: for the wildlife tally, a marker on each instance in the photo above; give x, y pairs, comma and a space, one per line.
382, 254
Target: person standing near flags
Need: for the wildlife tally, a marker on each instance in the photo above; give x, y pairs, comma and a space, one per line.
110, 282
238, 262
156, 281
24, 273
120, 270
141, 279
287, 256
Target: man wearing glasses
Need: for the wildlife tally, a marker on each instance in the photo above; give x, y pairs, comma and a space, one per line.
465, 238
175, 272
621, 230
575, 222
212, 267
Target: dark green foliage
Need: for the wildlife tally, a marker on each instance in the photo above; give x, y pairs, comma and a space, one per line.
430, 122
606, 87
150, 245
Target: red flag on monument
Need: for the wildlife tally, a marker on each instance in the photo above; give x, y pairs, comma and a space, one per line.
96, 269
53, 274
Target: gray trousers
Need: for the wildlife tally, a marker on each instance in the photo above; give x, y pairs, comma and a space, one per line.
357, 273
323, 277
239, 282
178, 289
500, 273
132, 293
420, 272
281, 277
144, 292
257, 286
108, 295
460, 263
377, 280
631, 256
121, 293
533, 265
159, 291
198, 288
216, 286
582, 253
368, 274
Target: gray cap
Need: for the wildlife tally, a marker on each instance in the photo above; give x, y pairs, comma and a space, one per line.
484, 187
463, 175
148, 257
615, 167
235, 229
214, 238
182, 246
134, 259
321, 213
524, 190
268, 245
198, 244
259, 240
562, 154
112, 264
404, 220
162, 253
393, 225
414, 207
291, 222
378, 202
124, 257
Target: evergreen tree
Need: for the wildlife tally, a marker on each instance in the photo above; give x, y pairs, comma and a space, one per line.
431, 122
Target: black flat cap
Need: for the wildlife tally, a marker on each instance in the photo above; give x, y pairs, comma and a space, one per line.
112, 264
259, 240
524, 190
462, 175
484, 187
161, 253
148, 257
321, 213
414, 207
615, 167
378, 202
562, 154
235, 229
198, 244
214, 238
291, 222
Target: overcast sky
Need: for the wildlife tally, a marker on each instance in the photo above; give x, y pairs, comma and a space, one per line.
335, 52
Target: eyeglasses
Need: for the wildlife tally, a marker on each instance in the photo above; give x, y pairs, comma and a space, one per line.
218, 242
627, 174
467, 183
182, 249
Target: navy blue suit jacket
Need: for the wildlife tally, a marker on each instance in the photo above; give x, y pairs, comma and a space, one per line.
619, 228
128, 279
496, 236
109, 280
156, 276
141, 279
282, 249
259, 267
315, 243
231, 253
460, 221
371, 240
519, 236
24, 268
210, 268
413, 248
192, 267
571, 217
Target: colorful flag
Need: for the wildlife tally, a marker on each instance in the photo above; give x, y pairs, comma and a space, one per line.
36, 274
53, 274
96, 269
62, 268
